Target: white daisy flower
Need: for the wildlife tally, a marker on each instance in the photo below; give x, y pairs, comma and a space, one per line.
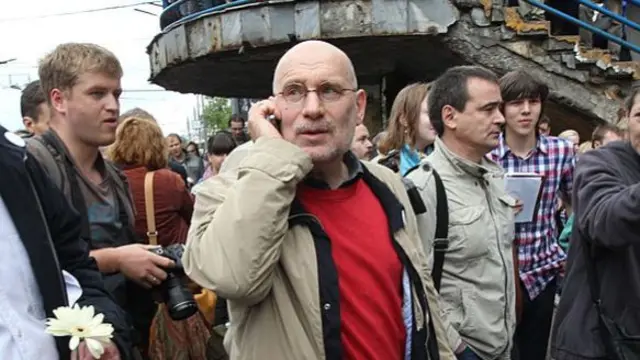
81, 324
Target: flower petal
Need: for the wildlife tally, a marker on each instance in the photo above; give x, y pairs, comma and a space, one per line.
101, 330
103, 340
85, 315
95, 348
74, 342
57, 332
97, 320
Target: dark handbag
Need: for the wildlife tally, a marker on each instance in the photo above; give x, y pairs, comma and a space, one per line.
618, 344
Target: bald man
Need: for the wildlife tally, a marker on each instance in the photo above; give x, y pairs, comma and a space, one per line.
311, 247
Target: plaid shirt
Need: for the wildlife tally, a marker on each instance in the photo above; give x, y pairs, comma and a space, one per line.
540, 257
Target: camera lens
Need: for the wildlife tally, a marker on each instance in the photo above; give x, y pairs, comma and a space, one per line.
180, 302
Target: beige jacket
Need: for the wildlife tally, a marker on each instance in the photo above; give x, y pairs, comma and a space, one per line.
478, 287
242, 245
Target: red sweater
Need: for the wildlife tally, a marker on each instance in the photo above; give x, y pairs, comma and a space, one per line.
369, 270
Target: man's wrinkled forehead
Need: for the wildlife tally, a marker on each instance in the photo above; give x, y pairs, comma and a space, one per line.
318, 71
326, 63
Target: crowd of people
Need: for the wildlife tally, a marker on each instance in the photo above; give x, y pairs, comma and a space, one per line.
294, 235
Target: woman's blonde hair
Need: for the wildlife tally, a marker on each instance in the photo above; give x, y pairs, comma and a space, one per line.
405, 110
585, 146
139, 142
568, 133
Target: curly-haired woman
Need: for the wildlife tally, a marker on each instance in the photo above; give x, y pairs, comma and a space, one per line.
140, 148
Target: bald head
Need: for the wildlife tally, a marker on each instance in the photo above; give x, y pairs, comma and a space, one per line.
312, 54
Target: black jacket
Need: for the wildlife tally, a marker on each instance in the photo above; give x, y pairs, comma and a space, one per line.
50, 231
606, 204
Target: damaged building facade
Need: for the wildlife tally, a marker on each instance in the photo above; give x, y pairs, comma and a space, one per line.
232, 51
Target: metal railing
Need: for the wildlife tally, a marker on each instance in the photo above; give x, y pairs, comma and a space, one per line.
602, 10
178, 12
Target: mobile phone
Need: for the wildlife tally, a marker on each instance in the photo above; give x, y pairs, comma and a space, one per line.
275, 122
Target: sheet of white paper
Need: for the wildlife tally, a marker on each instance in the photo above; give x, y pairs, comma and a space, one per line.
74, 290
525, 189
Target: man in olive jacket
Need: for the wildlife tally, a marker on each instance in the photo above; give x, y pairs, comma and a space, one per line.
317, 253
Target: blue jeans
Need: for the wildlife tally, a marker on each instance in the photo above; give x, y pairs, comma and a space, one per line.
467, 354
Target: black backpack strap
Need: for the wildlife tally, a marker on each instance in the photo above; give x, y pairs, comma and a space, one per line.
440, 245
441, 242
77, 199
414, 197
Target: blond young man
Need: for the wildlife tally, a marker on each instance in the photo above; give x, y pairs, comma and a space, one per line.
81, 83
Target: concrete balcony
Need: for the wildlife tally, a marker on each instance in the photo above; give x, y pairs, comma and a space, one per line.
234, 52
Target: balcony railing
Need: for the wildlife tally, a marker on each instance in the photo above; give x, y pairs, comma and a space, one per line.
177, 12
590, 27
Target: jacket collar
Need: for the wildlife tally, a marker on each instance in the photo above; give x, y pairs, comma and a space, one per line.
60, 145
392, 207
354, 172
542, 145
463, 166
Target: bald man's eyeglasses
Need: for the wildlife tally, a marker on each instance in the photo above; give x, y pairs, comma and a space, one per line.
296, 93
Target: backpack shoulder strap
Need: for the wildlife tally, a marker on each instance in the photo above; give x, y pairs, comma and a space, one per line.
436, 273
441, 242
69, 179
50, 159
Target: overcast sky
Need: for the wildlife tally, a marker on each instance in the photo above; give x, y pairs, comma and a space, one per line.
29, 32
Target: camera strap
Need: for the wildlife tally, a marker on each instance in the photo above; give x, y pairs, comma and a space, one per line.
149, 207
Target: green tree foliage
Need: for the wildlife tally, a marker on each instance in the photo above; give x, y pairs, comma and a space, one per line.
215, 114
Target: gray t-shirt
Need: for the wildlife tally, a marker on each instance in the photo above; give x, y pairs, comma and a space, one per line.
102, 209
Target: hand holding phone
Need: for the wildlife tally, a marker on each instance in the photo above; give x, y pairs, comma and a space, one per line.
263, 120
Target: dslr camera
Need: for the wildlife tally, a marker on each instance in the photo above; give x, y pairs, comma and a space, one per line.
174, 291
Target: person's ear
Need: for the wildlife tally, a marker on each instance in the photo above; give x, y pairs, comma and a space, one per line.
28, 123
361, 105
449, 117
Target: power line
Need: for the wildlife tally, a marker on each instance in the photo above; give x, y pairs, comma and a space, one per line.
87, 11
143, 99
145, 90
145, 12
